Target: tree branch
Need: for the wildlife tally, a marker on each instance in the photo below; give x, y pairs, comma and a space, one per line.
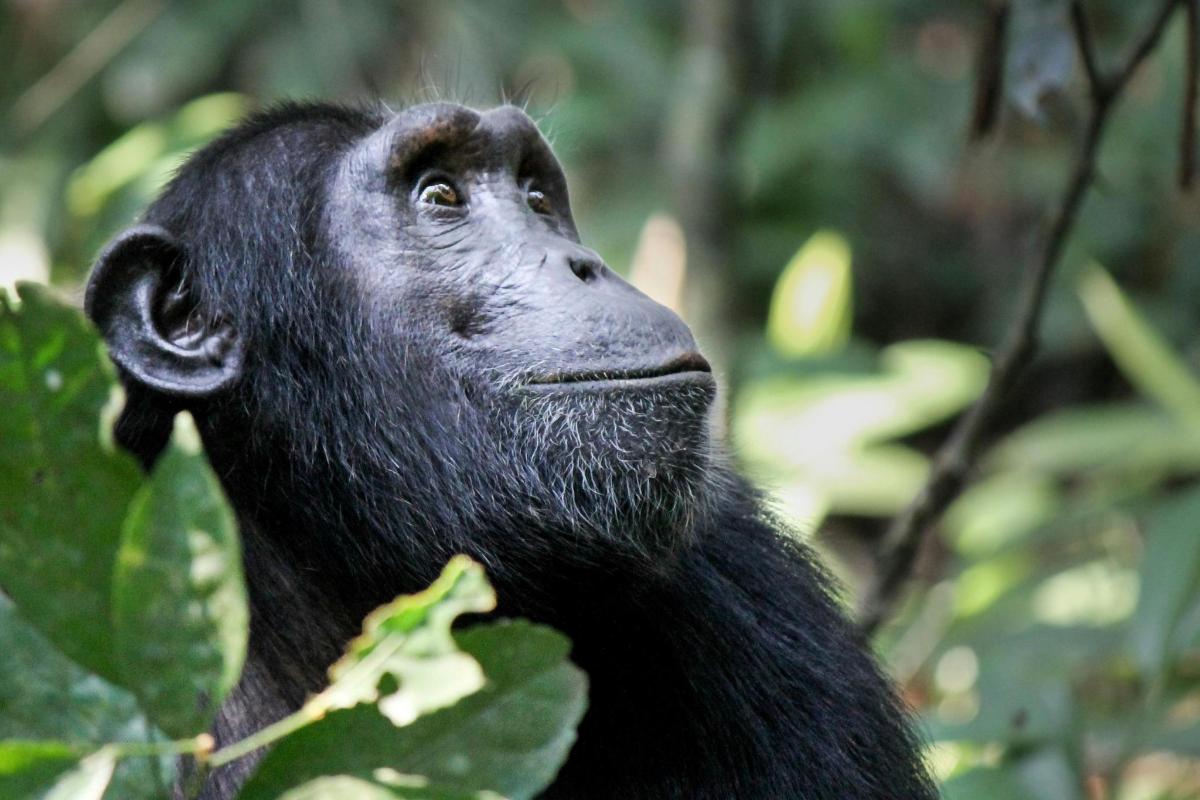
989, 72
1087, 49
953, 461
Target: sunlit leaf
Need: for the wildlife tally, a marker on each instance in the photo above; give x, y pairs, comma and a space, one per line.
811, 307
874, 481
63, 490
982, 583
1144, 358
410, 640
1094, 593
510, 737
89, 780
994, 513
826, 433
1129, 438
181, 618
140, 152
796, 420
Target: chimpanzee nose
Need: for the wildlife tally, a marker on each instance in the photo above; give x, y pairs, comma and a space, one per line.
587, 267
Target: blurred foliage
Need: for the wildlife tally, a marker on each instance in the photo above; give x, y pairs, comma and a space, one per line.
871, 258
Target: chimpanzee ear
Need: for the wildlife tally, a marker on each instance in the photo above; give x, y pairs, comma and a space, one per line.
145, 310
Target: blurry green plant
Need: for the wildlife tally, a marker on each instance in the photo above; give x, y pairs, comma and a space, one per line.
1069, 648
121, 180
125, 624
827, 439
1064, 645
811, 309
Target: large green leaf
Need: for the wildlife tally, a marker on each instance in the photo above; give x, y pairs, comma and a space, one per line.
28, 769
51, 707
510, 737
63, 490
179, 601
54, 771
1122, 439
1170, 577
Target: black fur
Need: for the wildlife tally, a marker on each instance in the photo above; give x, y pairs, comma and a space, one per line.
720, 666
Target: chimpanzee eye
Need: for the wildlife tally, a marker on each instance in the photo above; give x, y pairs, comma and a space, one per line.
440, 193
538, 201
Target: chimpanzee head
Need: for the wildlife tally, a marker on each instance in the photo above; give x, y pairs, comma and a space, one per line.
388, 322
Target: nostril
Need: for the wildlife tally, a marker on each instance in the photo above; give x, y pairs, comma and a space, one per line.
586, 269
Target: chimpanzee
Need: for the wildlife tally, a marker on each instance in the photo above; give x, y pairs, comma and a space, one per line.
396, 349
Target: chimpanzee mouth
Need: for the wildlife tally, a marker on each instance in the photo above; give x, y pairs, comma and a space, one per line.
687, 368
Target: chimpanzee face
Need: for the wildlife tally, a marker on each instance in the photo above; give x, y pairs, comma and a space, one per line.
459, 223
428, 285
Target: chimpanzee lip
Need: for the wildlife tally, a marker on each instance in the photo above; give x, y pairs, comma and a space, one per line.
689, 365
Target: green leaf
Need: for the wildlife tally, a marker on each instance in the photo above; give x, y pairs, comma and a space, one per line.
409, 639
921, 383
510, 737
811, 306
179, 600
1121, 439
826, 436
88, 780
27, 769
1170, 575
998, 511
1144, 358
63, 491
46, 696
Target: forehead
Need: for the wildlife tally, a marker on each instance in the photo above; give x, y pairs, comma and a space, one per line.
501, 134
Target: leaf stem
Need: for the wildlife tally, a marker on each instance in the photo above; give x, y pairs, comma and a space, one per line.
178, 747
310, 712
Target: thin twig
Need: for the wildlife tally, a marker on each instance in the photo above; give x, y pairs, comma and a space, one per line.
1187, 142
1146, 44
41, 100
953, 461
1087, 49
989, 73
